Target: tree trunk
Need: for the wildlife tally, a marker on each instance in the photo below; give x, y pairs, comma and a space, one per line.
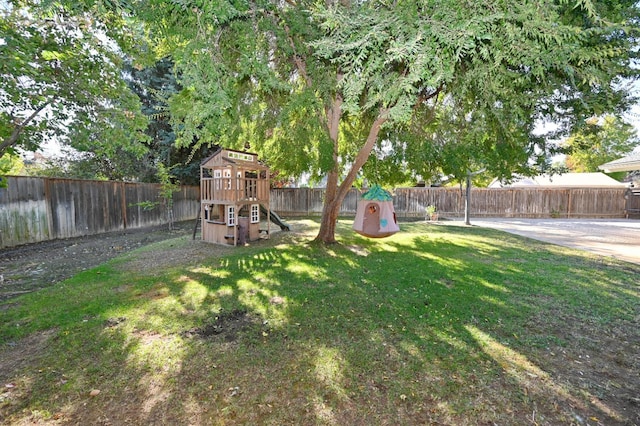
329, 210
335, 194
327, 232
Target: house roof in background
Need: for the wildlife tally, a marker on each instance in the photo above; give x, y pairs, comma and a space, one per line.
625, 164
578, 180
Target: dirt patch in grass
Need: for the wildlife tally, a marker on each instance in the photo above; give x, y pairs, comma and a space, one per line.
178, 251
597, 360
16, 355
31, 267
227, 326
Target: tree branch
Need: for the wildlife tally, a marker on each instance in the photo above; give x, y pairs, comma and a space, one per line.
301, 65
12, 139
363, 154
425, 97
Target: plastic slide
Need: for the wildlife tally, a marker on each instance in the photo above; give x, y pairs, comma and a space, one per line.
276, 219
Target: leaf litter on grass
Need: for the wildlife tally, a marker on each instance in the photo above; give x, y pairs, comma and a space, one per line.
355, 342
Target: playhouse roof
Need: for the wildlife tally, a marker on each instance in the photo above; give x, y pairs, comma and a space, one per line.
225, 157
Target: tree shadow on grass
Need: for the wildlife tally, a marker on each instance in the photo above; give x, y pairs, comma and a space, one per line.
441, 325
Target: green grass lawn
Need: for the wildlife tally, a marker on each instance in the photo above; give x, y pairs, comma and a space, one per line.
435, 325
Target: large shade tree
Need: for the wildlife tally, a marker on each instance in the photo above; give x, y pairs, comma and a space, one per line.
61, 80
426, 85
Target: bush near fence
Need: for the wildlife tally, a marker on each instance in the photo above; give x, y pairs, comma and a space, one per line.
38, 209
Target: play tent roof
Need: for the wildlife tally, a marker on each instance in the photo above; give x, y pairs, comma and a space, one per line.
377, 193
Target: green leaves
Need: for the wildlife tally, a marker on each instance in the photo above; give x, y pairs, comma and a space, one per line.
48, 55
457, 85
462, 82
601, 140
61, 79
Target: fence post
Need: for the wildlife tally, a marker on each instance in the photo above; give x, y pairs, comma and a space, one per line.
123, 202
49, 207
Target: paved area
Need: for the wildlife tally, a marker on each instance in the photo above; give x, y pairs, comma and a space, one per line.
619, 238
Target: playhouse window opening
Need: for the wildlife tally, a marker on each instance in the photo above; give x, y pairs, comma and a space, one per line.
214, 213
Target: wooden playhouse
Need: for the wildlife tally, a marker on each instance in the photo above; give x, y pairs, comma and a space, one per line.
234, 190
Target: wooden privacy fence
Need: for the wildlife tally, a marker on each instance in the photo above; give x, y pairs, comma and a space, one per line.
632, 197
308, 202
38, 209
450, 202
515, 202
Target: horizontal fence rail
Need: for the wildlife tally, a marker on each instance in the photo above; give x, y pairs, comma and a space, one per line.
308, 201
38, 209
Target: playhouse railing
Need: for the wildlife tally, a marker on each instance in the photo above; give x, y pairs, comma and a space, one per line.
233, 190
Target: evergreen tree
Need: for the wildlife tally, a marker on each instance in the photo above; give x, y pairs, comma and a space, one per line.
154, 85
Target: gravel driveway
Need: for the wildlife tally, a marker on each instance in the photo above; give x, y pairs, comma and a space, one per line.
619, 238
